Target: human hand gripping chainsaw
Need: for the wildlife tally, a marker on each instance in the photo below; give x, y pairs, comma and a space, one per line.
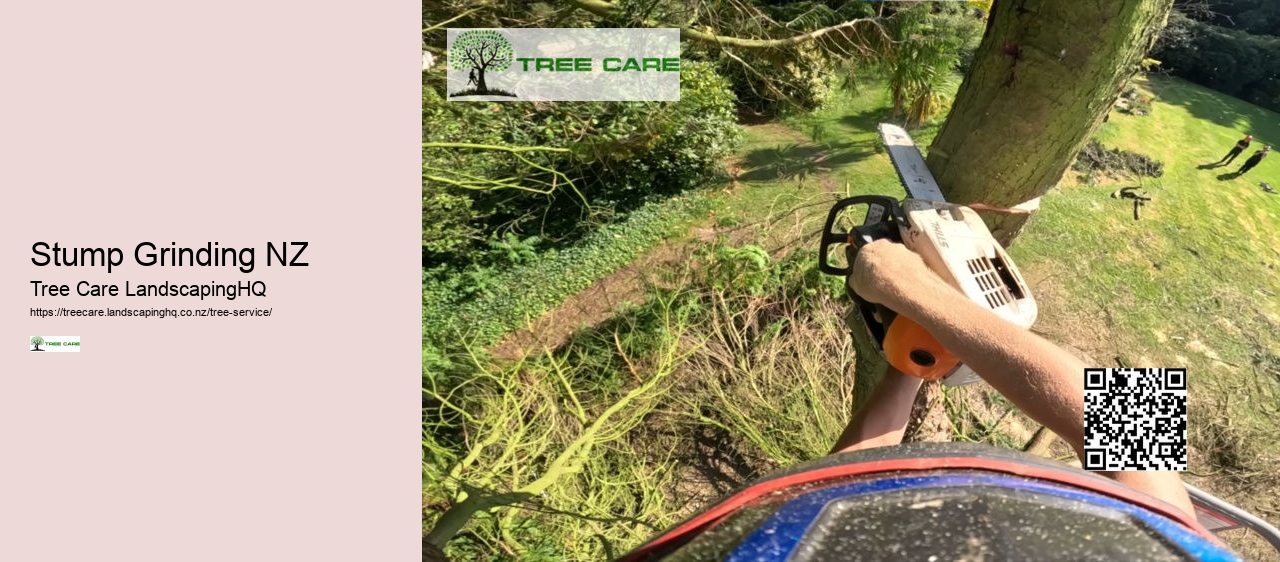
950, 240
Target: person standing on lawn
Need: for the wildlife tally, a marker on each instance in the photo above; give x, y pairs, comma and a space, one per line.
1253, 160
1240, 146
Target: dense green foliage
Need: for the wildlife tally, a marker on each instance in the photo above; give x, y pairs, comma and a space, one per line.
585, 162
927, 48
798, 79
481, 303
1229, 60
962, 26
768, 80
506, 235
931, 41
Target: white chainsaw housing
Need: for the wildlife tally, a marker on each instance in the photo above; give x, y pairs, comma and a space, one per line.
955, 243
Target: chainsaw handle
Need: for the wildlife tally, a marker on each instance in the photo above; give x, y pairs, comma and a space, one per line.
884, 215
914, 351
906, 345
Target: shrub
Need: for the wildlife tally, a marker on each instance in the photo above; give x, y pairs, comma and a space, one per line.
799, 79
769, 81
610, 156
448, 221
479, 304
924, 54
1230, 61
963, 26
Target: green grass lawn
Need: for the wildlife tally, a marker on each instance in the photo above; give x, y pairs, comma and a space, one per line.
751, 380
812, 159
1195, 282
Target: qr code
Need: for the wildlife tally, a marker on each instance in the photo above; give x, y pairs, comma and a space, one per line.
1135, 419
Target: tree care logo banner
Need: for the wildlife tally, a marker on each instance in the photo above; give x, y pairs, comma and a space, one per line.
564, 64
55, 344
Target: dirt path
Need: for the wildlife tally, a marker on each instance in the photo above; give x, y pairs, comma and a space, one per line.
601, 301
779, 234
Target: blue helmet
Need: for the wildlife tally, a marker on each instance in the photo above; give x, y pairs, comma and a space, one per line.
936, 502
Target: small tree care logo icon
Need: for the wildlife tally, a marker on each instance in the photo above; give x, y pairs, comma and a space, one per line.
54, 344
479, 51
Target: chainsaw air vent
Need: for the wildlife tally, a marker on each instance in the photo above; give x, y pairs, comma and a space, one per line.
990, 281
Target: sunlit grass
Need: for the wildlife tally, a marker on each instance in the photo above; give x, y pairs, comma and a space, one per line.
763, 377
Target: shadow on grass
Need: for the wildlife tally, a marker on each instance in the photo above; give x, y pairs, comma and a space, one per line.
868, 120
797, 161
715, 465
1207, 104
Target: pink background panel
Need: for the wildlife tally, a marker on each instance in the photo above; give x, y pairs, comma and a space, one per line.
294, 437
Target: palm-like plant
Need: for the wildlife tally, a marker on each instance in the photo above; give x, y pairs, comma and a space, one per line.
919, 63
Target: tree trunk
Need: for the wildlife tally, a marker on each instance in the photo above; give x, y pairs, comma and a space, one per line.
869, 363
1045, 76
480, 87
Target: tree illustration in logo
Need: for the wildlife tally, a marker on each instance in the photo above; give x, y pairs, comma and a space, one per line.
479, 51
37, 341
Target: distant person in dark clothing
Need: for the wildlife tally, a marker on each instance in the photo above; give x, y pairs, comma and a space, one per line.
1240, 146
1253, 160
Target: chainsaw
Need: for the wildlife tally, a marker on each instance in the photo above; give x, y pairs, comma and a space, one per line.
952, 240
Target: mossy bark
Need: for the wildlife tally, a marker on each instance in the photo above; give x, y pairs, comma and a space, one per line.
869, 364
1045, 75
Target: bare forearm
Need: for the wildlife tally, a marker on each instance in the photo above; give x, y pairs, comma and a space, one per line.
1157, 484
883, 421
1044, 381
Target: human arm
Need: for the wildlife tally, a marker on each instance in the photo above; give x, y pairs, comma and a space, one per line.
883, 420
1040, 378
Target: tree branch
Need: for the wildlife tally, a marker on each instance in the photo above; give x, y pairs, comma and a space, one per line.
469, 55
450, 20
559, 178
606, 9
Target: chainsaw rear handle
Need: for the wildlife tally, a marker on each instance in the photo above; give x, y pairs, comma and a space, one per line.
906, 345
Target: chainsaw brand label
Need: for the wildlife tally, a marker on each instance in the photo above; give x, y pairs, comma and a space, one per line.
940, 235
564, 64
